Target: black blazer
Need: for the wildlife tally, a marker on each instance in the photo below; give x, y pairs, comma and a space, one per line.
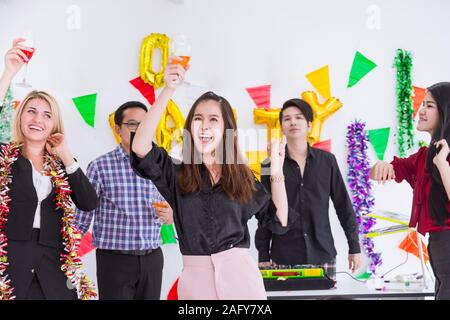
24, 202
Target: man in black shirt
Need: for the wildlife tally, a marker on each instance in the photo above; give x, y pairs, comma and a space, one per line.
312, 176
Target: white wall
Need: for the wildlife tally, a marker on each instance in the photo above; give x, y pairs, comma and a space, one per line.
237, 44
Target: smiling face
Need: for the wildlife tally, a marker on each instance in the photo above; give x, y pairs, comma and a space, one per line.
294, 124
207, 127
428, 115
37, 121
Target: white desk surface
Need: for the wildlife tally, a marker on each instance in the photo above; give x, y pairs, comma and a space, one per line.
352, 289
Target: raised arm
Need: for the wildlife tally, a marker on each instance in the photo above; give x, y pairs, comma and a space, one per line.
278, 188
142, 143
13, 63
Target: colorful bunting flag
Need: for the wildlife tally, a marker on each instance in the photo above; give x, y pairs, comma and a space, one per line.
320, 80
16, 104
145, 89
173, 292
324, 145
168, 234
360, 68
86, 107
379, 139
86, 245
418, 97
260, 95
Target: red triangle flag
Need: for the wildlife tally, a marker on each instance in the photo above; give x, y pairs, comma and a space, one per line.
324, 145
85, 244
419, 95
173, 292
144, 88
260, 95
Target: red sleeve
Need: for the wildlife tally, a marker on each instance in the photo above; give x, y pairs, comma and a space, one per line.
406, 168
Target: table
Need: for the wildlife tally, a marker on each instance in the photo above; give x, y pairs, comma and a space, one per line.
348, 288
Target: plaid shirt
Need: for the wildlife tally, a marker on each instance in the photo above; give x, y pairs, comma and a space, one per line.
124, 219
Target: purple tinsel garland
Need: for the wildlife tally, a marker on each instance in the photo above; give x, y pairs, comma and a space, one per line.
361, 187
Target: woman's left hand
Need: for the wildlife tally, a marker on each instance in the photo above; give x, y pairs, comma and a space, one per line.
277, 154
56, 145
441, 157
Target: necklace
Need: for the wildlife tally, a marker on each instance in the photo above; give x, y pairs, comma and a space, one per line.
71, 235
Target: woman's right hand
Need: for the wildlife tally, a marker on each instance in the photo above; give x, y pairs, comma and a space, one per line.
14, 58
382, 171
173, 72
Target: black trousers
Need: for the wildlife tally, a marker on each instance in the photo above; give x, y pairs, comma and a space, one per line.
439, 251
35, 271
129, 277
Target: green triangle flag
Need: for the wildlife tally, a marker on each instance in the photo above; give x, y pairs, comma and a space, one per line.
379, 139
86, 107
364, 276
168, 234
360, 67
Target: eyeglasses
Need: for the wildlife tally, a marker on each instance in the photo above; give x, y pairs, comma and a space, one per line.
132, 125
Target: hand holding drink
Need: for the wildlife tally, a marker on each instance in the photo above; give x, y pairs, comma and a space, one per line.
16, 57
159, 205
180, 49
27, 50
163, 212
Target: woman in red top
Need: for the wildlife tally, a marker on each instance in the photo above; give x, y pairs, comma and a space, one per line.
428, 173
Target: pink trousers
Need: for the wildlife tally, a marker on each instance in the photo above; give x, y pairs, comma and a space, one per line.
227, 275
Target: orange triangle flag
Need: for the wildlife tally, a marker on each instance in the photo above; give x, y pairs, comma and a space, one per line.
320, 79
419, 95
16, 104
409, 244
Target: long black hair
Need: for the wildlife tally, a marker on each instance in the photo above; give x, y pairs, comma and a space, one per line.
438, 200
237, 180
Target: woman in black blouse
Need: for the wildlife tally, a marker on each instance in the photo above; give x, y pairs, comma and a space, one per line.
213, 194
34, 220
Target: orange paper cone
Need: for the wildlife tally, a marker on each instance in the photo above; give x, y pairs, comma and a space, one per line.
409, 244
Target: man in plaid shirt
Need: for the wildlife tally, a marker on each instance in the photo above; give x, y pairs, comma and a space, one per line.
128, 219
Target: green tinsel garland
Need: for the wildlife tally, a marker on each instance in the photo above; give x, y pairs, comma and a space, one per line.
6, 118
405, 135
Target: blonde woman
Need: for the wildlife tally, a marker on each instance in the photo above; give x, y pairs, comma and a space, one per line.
37, 220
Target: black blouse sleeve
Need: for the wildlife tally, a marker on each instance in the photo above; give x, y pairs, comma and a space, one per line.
83, 193
266, 211
263, 237
159, 167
